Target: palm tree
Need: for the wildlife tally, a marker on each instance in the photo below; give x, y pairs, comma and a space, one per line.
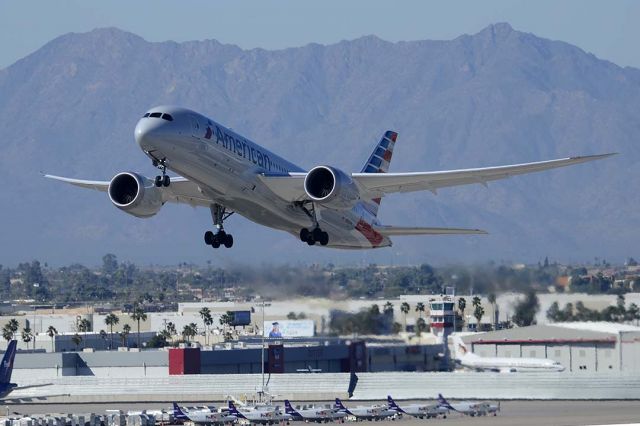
388, 308
52, 332
26, 335
462, 305
478, 312
420, 309
126, 329
189, 330
138, 315
205, 314
103, 335
111, 320
76, 339
491, 297
171, 329
83, 325
405, 308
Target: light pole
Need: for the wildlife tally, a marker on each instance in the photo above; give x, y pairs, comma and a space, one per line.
262, 350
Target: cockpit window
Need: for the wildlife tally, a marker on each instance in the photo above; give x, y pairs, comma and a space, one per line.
146, 115
167, 117
155, 114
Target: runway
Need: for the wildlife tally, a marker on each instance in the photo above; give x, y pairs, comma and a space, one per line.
517, 413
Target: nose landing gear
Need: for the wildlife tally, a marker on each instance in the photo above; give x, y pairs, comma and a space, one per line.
219, 237
163, 180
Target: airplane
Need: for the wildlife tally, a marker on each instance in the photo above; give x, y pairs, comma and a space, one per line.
317, 415
418, 410
263, 417
468, 408
365, 413
309, 369
202, 416
469, 360
228, 173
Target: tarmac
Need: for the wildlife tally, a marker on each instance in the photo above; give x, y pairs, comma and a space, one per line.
517, 413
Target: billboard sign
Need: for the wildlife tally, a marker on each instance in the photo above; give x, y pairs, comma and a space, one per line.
277, 329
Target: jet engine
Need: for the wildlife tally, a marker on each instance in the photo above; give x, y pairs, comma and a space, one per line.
331, 187
135, 194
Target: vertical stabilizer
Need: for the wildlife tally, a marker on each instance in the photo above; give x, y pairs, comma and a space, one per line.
7, 362
379, 161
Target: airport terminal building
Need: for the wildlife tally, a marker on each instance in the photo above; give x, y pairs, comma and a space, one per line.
578, 346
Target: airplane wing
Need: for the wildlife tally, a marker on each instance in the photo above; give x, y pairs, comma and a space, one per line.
410, 230
181, 190
291, 186
378, 184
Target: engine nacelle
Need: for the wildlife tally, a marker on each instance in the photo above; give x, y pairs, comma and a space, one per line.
135, 194
331, 187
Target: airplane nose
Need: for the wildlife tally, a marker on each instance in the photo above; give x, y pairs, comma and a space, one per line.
149, 131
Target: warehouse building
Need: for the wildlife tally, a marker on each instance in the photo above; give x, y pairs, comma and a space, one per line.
578, 346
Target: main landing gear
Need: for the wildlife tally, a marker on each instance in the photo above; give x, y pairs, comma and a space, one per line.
314, 235
219, 238
163, 180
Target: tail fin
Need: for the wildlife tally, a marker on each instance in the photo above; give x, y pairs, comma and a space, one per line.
443, 402
339, 404
288, 408
460, 349
7, 362
234, 411
177, 412
379, 161
392, 404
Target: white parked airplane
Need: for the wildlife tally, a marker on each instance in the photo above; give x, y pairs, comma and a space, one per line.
202, 417
317, 415
373, 412
418, 410
468, 359
228, 173
263, 416
468, 408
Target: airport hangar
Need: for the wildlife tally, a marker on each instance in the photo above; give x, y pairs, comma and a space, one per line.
578, 346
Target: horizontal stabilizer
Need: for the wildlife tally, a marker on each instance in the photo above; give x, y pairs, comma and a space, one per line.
412, 230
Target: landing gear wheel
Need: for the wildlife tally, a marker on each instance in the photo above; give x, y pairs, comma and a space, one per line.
304, 234
310, 240
228, 241
166, 180
317, 234
216, 242
208, 238
324, 239
158, 181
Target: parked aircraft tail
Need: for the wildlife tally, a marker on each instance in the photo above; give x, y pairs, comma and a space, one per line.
288, 408
444, 403
178, 413
379, 161
339, 405
7, 362
234, 411
392, 405
460, 349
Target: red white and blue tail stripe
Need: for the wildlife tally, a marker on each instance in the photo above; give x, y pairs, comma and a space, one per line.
379, 161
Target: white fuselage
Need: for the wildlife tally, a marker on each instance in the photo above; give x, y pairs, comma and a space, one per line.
226, 167
525, 365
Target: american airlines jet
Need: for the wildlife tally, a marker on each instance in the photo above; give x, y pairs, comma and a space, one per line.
228, 173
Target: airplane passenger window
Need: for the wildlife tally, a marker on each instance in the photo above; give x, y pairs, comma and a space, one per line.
155, 114
167, 117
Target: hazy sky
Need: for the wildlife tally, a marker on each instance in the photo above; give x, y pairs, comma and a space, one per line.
609, 29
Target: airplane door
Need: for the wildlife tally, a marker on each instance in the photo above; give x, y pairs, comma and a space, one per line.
196, 131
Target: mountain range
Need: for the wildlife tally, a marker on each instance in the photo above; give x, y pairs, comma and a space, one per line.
496, 97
